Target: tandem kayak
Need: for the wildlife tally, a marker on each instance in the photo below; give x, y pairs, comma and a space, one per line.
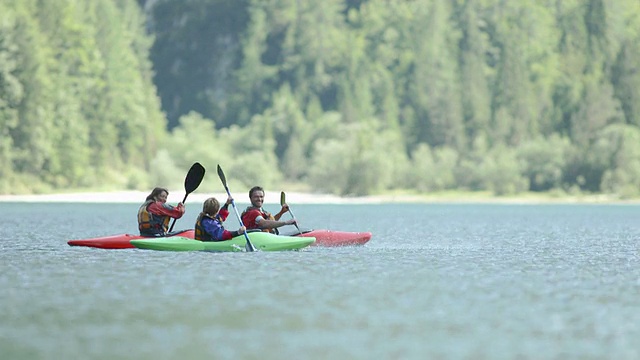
260, 240
325, 238
122, 241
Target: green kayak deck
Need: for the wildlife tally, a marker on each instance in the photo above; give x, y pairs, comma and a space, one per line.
260, 240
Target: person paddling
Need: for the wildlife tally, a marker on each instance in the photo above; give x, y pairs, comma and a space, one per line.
209, 223
155, 214
255, 217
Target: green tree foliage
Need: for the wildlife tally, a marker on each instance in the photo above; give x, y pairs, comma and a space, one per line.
196, 52
31, 136
358, 161
432, 170
291, 133
72, 92
350, 96
252, 152
135, 119
196, 139
625, 75
618, 147
521, 40
501, 172
475, 73
11, 91
544, 161
434, 93
77, 98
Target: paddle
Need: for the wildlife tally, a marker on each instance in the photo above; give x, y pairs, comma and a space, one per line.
282, 202
248, 246
191, 182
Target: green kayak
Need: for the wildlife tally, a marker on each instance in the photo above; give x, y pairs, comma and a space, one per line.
260, 240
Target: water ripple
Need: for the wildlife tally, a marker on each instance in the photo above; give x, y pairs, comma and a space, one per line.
435, 281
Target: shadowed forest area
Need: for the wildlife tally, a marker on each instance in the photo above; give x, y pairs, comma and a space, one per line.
349, 97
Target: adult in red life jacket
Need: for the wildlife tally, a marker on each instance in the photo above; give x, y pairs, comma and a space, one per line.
255, 217
155, 214
209, 223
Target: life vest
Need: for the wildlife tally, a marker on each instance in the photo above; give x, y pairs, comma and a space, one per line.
264, 214
199, 232
150, 224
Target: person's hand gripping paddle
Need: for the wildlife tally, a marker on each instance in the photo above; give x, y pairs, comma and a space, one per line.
282, 202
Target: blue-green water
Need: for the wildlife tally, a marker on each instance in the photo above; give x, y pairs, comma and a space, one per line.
435, 282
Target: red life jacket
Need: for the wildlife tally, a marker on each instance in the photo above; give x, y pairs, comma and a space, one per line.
250, 223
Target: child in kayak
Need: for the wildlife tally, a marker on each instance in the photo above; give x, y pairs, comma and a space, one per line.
209, 223
154, 215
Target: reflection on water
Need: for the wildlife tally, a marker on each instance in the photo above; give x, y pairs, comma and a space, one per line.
435, 281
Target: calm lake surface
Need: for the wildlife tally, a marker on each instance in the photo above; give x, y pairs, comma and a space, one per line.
436, 281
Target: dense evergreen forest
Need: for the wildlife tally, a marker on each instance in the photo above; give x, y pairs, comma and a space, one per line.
352, 97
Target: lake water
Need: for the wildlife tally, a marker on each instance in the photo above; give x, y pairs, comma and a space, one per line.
436, 281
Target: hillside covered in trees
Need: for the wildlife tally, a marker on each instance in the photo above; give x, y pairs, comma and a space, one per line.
351, 97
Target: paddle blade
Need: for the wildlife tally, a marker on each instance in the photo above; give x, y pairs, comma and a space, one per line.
191, 182
222, 177
248, 246
194, 178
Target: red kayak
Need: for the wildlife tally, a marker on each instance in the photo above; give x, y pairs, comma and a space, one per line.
120, 241
326, 238
330, 238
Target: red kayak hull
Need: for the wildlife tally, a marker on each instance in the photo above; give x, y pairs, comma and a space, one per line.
118, 241
329, 238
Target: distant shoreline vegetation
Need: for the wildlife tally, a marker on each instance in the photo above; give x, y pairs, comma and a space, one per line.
450, 197
346, 97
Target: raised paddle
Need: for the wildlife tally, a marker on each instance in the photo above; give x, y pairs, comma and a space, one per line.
248, 245
191, 182
282, 202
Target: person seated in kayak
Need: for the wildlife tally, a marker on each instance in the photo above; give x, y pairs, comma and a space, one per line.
255, 217
155, 214
209, 223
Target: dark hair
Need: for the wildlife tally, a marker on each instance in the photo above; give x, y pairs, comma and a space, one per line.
255, 188
155, 192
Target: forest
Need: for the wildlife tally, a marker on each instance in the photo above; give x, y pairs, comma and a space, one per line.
349, 97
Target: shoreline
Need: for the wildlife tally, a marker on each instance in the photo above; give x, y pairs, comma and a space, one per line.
126, 197
272, 197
